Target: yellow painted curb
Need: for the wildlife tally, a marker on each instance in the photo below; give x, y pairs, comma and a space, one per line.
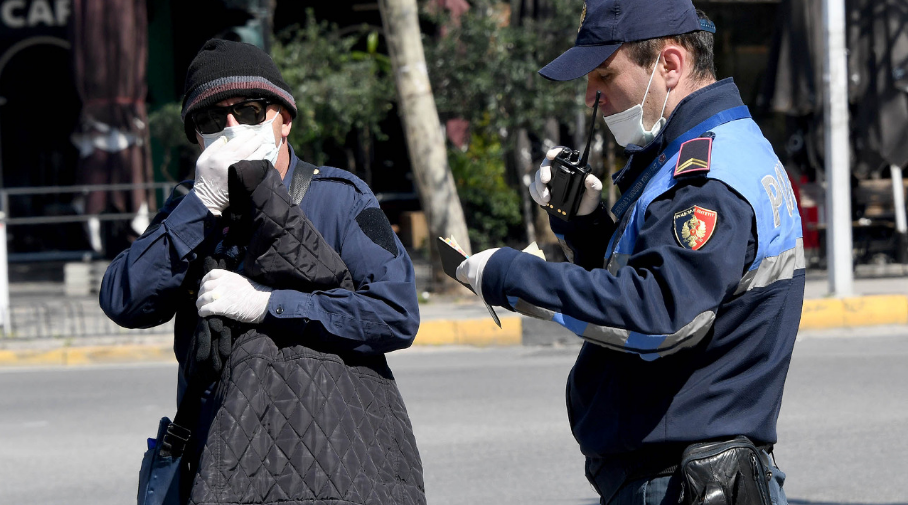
820, 314
850, 312
86, 355
478, 332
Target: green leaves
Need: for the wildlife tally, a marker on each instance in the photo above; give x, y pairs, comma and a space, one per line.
166, 126
485, 69
337, 88
491, 208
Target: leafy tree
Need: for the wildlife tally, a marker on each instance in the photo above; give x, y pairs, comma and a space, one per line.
485, 69
166, 130
338, 89
491, 208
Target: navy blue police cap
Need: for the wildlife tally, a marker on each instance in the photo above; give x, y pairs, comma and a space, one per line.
606, 24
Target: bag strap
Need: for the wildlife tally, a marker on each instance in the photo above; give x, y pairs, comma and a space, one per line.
180, 429
302, 176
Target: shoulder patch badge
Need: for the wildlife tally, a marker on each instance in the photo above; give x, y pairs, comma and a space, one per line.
694, 156
695, 226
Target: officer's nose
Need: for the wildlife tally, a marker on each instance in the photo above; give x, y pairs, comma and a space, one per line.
591, 88
231, 121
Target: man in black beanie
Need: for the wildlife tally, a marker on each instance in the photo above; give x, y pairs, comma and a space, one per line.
288, 286
225, 74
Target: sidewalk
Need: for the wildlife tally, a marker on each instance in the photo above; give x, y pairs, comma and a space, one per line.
880, 298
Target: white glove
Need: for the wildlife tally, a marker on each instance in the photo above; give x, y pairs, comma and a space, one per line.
229, 294
470, 270
211, 168
539, 189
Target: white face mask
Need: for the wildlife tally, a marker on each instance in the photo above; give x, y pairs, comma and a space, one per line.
627, 126
264, 131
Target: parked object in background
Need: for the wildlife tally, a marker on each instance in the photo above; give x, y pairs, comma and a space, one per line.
874, 225
414, 231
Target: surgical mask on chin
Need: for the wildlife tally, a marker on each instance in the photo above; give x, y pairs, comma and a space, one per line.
264, 131
627, 126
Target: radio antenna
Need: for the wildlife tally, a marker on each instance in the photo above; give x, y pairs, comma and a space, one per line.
589, 140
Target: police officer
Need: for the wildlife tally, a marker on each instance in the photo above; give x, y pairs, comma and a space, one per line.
689, 304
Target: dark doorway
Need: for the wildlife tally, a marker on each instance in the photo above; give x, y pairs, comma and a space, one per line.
40, 108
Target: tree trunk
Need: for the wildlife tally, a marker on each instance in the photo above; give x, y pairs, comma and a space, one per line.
425, 142
526, 171
551, 139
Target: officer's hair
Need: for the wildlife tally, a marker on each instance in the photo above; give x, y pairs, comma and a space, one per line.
699, 44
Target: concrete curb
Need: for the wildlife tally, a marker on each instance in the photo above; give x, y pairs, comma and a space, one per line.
65, 356
858, 311
817, 314
477, 332
472, 332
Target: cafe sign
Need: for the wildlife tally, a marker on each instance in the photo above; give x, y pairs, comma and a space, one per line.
20, 18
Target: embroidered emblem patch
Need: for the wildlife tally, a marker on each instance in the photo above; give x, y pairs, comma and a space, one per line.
694, 156
582, 17
695, 226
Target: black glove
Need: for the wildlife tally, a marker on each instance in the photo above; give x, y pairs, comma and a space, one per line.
213, 339
212, 344
243, 177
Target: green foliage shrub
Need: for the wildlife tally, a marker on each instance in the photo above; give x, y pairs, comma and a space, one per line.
491, 208
165, 129
337, 88
485, 69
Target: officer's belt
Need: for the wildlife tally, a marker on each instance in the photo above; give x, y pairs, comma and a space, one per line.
609, 474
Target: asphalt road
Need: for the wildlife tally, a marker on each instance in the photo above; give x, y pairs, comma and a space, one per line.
490, 424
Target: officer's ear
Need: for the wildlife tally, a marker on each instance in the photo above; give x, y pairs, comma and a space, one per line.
675, 59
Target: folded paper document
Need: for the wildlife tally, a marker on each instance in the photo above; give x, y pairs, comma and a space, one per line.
452, 255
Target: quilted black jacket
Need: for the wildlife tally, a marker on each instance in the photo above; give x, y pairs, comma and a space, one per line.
297, 424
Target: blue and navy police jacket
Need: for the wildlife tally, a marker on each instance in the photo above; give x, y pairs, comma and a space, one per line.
142, 286
690, 304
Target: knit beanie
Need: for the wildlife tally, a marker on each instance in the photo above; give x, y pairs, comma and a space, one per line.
226, 69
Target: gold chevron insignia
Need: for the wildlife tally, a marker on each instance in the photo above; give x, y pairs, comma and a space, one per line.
691, 163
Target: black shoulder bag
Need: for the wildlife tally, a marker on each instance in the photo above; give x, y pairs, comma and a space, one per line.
728, 472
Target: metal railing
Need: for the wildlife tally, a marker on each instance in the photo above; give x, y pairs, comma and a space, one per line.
5, 193
59, 316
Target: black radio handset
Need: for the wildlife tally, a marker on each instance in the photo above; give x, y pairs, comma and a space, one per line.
569, 171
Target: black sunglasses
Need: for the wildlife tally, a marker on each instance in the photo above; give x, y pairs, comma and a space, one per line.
214, 119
